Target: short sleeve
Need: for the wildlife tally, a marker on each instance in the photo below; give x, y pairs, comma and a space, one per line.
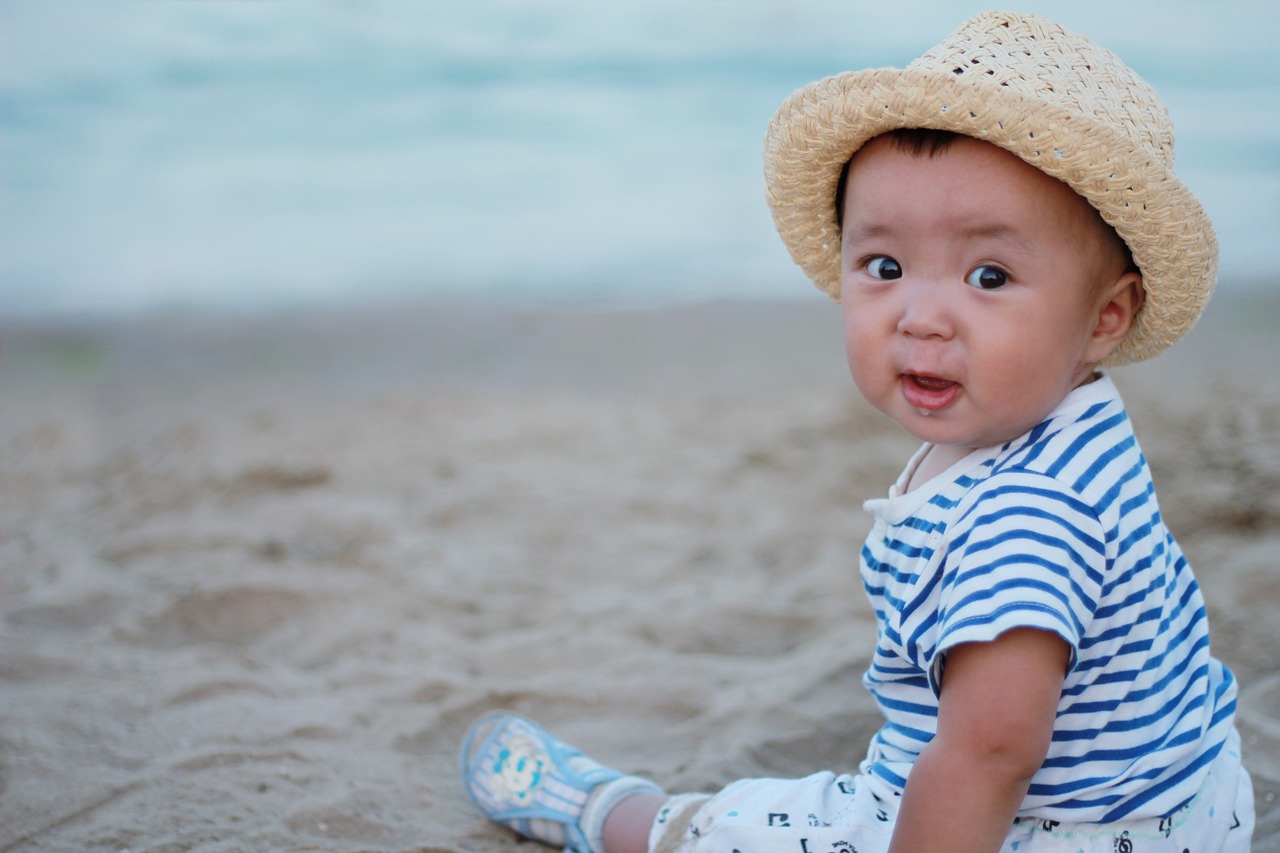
1025, 552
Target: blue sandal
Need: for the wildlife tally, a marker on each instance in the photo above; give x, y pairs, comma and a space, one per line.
523, 778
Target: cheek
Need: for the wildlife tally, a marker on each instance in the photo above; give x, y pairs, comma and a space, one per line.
854, 336
864, 351
866, 322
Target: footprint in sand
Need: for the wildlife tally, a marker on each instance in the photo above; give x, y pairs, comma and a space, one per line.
78, 615
234, 616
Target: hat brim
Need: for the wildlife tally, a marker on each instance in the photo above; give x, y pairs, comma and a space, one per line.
822, 125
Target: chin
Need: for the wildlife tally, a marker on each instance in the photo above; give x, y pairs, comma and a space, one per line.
922, 428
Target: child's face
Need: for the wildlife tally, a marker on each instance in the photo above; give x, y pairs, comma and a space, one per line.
972, 286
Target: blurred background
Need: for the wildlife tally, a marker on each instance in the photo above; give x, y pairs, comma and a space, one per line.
212, 154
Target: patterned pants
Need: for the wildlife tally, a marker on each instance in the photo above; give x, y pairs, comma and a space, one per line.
826, 813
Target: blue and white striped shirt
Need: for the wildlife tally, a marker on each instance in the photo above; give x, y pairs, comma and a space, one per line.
1058, 530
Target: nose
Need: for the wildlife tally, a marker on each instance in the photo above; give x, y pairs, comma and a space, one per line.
925, 312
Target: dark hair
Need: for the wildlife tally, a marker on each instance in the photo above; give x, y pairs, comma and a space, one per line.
916, 141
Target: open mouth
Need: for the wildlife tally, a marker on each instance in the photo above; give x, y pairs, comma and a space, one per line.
928, 393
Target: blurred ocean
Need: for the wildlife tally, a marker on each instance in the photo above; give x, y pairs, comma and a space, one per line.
215, 153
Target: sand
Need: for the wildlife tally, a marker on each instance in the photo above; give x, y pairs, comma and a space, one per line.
260, 572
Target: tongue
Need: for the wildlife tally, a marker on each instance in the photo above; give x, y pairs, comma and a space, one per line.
930, 383
928, 393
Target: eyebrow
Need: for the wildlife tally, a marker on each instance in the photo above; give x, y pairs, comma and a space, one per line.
996, 231
990, 231
862, 233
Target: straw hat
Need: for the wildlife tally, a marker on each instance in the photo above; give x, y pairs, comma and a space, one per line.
1060, 102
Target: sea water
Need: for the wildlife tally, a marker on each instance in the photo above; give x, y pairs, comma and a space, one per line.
224, 154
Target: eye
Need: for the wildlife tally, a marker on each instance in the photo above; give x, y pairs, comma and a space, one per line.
884, 267
988, 277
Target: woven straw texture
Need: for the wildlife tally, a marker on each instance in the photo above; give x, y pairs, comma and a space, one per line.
1054, 98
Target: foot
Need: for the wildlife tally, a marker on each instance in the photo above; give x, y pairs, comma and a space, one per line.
520, 776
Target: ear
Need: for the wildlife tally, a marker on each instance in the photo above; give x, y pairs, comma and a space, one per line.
1118, 306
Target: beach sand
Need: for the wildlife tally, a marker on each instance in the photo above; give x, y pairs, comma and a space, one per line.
260, 572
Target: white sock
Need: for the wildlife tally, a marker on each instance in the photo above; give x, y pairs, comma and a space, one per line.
602, 801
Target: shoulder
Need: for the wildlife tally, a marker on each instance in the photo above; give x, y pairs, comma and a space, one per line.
1027, 506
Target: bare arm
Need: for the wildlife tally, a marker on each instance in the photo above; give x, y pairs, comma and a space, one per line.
995, 721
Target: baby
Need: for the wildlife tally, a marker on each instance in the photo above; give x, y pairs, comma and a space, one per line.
998, 221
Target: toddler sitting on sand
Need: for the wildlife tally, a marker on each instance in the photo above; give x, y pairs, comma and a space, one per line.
998, 221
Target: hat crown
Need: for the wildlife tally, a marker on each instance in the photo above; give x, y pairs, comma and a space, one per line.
1039, 59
